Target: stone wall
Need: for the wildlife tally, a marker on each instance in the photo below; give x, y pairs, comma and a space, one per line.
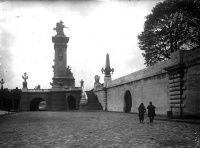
27, 97
149, 84
57, 100
173, 85
192, 83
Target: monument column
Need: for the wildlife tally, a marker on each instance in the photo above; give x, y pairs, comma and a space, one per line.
63, 76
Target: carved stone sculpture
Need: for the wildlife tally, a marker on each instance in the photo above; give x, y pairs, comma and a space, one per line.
97, 78
59, 29
25, 77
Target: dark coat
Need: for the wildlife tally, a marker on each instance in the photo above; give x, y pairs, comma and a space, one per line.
151, 110
141, 110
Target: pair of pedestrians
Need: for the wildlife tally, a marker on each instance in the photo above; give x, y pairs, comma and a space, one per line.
142, 110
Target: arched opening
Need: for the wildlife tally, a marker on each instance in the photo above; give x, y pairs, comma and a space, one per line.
127, 102
71, 103
38, 104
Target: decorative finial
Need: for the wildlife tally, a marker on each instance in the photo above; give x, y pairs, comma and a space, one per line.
2, 82
25, 77
107, 69
59, 29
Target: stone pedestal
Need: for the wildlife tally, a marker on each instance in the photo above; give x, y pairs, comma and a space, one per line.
83, 101
63, 77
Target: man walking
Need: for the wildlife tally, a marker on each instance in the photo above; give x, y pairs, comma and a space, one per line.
151, 111
141, 110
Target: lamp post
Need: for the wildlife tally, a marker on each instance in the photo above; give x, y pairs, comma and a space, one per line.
81, 83
2, 82
1, 95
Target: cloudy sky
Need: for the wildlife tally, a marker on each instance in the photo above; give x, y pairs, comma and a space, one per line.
95, 28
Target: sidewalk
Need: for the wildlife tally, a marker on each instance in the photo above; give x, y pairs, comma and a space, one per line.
2, 113
164, 118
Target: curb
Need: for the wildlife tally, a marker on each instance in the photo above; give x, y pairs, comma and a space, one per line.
180, 120
6, 114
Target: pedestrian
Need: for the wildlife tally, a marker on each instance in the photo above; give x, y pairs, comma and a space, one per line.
141, 110
151, 111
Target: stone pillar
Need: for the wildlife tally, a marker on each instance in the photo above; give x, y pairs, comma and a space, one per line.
104, 104
24, 102
63, 76
176, 84
107, 78
176, 88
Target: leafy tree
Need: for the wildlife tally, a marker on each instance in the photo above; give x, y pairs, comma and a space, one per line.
172, 25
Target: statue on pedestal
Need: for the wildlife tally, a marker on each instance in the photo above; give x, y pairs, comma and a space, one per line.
37, 87
84, 97
97, 84
25, 77
59, 29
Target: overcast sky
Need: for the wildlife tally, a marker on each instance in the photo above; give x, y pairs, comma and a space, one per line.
95, 28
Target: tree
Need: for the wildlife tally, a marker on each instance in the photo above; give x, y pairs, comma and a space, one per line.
172, 25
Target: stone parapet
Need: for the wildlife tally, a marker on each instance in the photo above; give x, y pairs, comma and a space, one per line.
156, 70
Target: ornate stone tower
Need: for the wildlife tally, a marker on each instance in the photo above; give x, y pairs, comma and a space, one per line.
63, 77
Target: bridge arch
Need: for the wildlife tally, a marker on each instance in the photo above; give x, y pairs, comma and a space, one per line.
127, 101
72, 102
35, 102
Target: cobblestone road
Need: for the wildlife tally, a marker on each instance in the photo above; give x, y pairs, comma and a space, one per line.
93, 130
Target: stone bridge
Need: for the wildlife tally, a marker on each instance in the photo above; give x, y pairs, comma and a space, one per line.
55, 100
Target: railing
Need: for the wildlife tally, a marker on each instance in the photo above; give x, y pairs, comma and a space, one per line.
38, 90
73, 88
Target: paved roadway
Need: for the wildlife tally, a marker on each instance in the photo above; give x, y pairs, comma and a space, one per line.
93, 130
